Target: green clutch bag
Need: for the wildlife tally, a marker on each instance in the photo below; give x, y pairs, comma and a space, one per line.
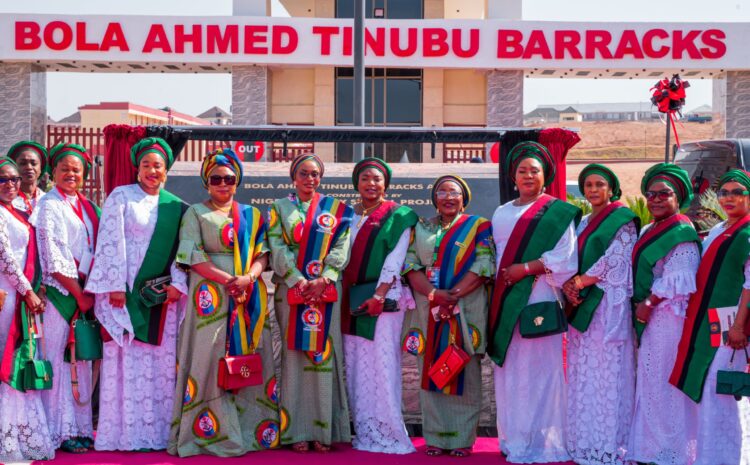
359, 293
154, 291
88, 339
542, 319
37, 375
733, 383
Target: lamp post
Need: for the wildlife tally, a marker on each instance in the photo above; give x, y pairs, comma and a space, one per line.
359, 74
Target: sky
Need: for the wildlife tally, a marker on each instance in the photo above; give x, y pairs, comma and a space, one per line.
195, 93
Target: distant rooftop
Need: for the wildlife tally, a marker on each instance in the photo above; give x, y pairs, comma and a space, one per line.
214, 112
601, 107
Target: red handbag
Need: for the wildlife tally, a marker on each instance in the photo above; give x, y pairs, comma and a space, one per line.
240, 371
330, 294
450, 363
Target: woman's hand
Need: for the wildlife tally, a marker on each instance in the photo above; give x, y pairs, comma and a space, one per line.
736, 338
173, 294
117, 299
643, 313
314, 290
374, 306
572, 294
33, 302
443, 297
238, 284
85, 302
513, 274
445, 312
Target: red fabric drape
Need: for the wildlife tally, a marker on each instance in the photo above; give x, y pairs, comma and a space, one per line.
118, 170
558, 141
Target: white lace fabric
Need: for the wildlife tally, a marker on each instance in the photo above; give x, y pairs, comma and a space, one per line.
14, 241
601, 363
664, 426
24, 434
127, 224
373, 368
61, 238
137, 380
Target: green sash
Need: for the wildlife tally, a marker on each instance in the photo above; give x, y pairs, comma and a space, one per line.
719, 284
148, 322
536, 232
652, 246
375, 240
593, 242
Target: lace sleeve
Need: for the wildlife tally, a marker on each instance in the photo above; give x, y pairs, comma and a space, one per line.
614, 268
680, 267
110, 273
562, 261
52, 239
8, 265
179, 278
747, 275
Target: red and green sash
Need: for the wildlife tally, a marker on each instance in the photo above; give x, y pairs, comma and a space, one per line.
537, 231
593, 242
651, 247
326, 220
375, 240
246, 321
17, 351
719, 284
456, 253
66, 304
148, 322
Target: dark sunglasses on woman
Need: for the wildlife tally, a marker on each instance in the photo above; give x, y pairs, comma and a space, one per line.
215, 180
15, 180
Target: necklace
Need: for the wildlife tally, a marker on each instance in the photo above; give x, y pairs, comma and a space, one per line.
518, 203
366, 212
220, 208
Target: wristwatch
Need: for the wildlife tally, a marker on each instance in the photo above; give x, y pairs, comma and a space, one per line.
431, 295
648, 303
379, 298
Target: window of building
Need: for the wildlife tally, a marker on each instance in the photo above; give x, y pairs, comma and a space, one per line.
393, 97
393, 9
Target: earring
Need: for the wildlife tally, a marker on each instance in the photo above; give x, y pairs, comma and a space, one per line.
515, 188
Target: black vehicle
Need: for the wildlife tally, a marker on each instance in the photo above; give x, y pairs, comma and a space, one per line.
706, 161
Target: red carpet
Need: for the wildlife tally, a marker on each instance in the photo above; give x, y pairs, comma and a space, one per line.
485, 452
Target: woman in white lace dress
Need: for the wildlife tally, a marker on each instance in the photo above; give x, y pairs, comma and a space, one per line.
138, 238
601, 349
536, 252
665, 260
66, 229
23, 423
380, 232
723, 282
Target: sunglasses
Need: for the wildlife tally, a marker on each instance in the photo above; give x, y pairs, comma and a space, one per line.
442, 195
311, 174
215, 180
661, 195
15, 180
722, 193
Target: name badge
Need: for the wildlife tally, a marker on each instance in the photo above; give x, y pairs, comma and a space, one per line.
433, 275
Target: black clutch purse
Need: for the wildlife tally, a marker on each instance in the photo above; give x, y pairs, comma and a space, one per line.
154, 291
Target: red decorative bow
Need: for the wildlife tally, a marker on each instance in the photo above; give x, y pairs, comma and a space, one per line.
669, 97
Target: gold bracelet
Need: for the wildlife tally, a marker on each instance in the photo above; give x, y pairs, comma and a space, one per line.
579, 283
431, 295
